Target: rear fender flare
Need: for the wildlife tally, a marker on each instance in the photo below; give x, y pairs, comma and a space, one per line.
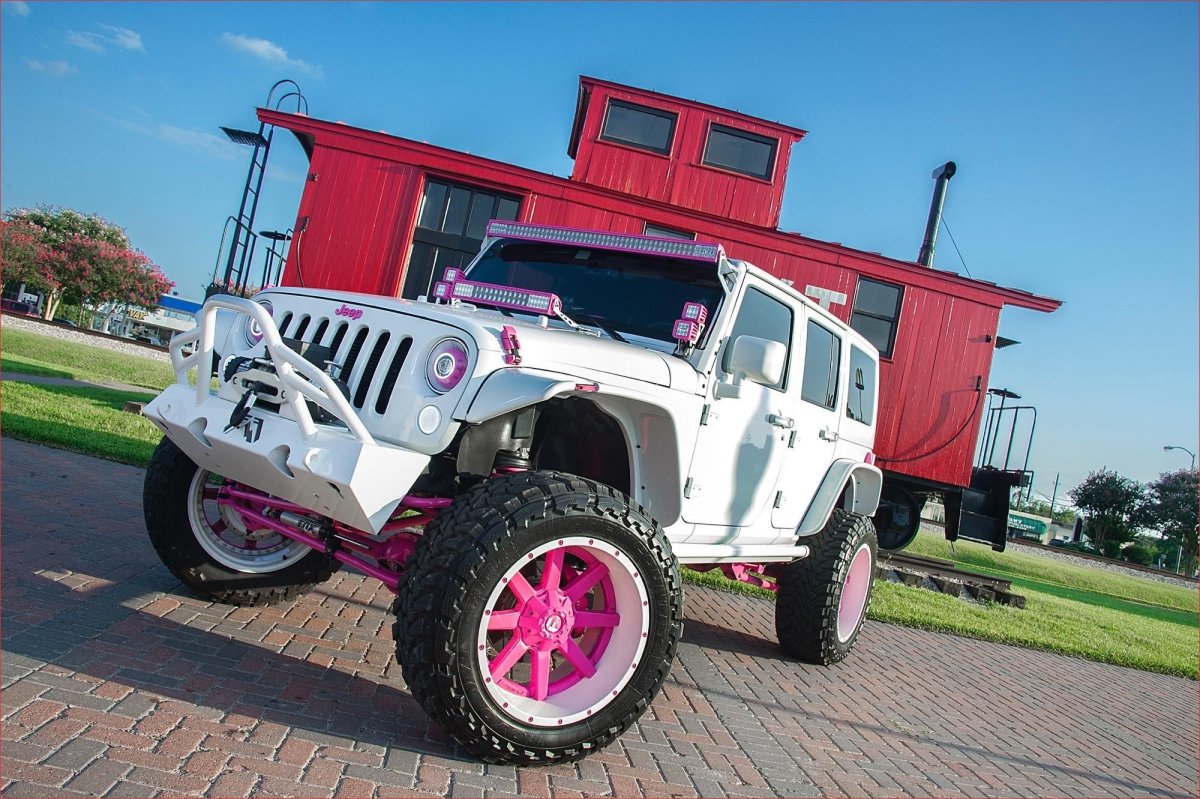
862, 483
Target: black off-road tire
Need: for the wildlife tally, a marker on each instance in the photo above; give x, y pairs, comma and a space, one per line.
459, 562
810, 591
165, 506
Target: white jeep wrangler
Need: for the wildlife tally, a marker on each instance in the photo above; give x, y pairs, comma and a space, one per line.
525, 458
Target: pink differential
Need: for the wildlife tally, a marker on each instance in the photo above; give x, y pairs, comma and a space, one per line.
547, 619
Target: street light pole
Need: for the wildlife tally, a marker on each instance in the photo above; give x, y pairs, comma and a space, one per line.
1170, 447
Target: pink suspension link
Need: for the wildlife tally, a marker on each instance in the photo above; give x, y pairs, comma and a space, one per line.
351, 546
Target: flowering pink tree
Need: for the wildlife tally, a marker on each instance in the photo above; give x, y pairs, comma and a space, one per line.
61, 252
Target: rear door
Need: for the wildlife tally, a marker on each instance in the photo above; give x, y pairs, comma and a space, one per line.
814, 406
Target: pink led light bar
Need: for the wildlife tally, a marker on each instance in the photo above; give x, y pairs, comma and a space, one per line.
649, 245
687, 330
453, 287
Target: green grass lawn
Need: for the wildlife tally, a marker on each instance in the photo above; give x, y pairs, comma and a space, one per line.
88, 420
36, 354
1073, 610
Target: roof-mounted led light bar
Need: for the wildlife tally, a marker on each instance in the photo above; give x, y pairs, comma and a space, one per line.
649, 245
453, 287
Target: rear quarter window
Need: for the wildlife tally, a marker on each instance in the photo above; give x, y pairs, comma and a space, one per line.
860, 399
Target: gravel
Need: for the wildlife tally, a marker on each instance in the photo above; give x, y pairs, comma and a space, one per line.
17, 322
1108, 567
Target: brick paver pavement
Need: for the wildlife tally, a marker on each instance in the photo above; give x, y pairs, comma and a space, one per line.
118, 682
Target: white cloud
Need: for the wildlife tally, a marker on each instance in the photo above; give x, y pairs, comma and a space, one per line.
58, 69
268, 52
122, 38
86, 41
197, 141
18, 8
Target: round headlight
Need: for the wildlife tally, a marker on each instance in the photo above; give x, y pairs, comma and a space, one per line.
254, 331
447, 365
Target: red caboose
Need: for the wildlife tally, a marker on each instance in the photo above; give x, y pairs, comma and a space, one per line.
386, 215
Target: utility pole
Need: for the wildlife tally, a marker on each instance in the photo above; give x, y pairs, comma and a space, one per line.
1053, 496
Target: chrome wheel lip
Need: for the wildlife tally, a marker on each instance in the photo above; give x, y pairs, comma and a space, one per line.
225, 552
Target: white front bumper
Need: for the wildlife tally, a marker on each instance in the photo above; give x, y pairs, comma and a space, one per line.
332, 473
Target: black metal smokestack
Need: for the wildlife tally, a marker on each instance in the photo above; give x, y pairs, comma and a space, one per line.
942, 175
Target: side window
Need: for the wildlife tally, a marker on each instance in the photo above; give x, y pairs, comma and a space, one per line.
822, 355
764, 317
860, 399
876, 313
639, 126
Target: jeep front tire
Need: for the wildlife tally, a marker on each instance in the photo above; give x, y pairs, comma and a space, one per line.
539, 617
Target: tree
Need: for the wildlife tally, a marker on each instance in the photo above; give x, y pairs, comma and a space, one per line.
1110, 503
84, 256
21, 248
1172, 505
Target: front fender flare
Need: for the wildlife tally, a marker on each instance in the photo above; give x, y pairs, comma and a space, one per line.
510, 389
864, 483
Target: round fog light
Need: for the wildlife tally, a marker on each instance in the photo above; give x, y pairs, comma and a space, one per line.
428, 419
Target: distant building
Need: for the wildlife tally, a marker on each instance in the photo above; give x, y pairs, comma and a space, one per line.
173, 315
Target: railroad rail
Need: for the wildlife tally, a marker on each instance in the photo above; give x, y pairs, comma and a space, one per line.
942, 575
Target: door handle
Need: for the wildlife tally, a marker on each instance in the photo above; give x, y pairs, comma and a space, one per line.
828, 435
786, 422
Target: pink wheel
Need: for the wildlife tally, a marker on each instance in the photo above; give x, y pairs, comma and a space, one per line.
539, 617
563, 632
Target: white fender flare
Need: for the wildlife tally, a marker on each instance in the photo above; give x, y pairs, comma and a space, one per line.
864, 483
510, 389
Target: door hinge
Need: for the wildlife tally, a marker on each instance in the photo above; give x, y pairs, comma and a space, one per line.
704, 415
779, 499
690, 488
792, 440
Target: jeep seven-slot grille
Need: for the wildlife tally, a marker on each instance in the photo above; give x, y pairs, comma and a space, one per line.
355, 346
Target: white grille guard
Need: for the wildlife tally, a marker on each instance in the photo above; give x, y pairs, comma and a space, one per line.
343, 473
287, 363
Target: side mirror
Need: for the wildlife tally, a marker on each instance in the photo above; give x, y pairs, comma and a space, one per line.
758, 360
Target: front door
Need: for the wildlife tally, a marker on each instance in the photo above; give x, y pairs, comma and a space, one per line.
739, 449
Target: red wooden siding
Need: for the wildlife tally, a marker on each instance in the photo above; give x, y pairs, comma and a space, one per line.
680, 178
362, 206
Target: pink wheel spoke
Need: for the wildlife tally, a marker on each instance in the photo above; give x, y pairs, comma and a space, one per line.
513, 651
577, 658
552, 573
539, 675
596, 618
521, 588
581, 584
504, 619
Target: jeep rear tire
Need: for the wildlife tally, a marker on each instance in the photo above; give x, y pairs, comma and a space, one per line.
539, 617
823, 599
207, 544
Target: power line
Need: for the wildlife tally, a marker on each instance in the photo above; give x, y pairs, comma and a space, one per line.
955, 243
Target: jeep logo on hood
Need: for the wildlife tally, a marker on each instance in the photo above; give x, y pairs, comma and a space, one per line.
346, 310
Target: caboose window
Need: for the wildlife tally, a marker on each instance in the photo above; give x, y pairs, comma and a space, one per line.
740, 151
638, 126
667, 232
877, 312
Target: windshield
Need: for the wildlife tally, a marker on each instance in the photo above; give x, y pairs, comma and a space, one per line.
629, 292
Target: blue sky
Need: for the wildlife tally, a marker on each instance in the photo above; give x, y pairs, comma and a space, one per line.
1074, 127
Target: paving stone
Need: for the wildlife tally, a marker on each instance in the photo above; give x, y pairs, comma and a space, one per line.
120, 682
